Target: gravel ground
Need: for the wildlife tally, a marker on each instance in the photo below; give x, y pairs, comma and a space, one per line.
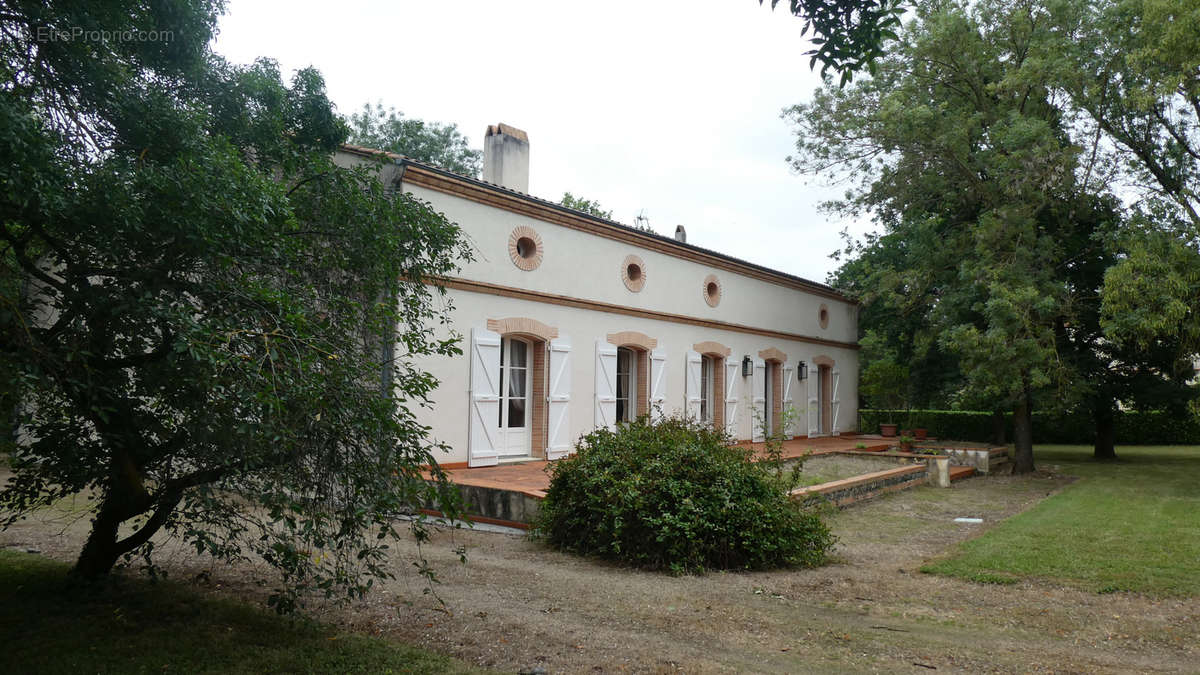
516, 606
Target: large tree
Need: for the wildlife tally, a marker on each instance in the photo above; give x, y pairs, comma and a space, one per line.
997, 233
441, 145
203, 342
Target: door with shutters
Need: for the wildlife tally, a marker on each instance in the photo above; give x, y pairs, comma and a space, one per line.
658, 383
789, 407
606, 385
693, 391
483, 434
760, 414
835, 405
814, 415
558, 399
732, 377
516, 411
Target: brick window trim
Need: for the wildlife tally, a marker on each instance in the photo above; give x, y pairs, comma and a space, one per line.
713, 299
636, 282
531, 262
539, 335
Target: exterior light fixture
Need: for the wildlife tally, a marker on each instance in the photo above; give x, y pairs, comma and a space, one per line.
747, 366
802, 371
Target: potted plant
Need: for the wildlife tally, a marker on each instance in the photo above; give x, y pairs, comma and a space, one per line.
906, 443
885, 382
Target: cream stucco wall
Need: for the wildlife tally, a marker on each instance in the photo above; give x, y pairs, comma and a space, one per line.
582, 265
448, 416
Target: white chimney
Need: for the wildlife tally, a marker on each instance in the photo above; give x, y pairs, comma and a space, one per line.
506, 157
680, 234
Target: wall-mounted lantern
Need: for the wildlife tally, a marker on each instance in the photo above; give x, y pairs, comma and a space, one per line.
802, 371
747, 366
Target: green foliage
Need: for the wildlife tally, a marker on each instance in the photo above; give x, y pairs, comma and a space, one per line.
1156, 427
204, 338
997, 228
848, 35
588, 206
437, 144
885, 382
676, 496
138, 626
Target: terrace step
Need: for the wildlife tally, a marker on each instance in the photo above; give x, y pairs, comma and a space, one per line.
960, 472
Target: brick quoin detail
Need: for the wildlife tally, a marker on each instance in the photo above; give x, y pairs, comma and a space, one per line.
539, 335
641, 344
772, 354
823, 361
537, 441
643, 382
523, 325
712, 348
632, 338
719, 353
775, 360
776, 370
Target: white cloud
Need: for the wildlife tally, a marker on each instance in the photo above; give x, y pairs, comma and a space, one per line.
671, 107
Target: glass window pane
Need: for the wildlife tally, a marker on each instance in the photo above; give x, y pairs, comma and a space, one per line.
516, 413
519, 350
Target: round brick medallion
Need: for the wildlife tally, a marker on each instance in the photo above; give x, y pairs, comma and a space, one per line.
525, 248
633, 273
712, 290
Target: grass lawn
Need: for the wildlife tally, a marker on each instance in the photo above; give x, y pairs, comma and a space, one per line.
1132, 525
51, 625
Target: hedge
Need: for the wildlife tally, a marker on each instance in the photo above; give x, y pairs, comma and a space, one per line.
1132, 427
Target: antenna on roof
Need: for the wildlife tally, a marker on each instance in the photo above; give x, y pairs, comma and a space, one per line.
641, 222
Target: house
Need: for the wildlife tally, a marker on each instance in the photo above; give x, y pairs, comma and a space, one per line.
572, 322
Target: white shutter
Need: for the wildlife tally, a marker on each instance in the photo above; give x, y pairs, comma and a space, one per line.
484, 432
732, 377
814, 415
692, 386
835, 404
789, 429
758, 401
558, 438
658, 383
606, 385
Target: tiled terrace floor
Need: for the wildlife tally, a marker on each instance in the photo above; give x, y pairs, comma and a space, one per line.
531, 478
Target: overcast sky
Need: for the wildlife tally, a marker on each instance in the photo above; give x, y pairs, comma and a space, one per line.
667, 108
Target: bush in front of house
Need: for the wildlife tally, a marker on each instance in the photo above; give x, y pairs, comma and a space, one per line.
676, 496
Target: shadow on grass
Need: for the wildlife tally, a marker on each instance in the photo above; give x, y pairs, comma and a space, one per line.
53, 624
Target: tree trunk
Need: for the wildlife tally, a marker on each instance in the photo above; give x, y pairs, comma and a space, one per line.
100, 552
998, 435
1023, 434
1106, 432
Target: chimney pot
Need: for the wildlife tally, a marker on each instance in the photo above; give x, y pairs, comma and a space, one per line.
680, 234
506, 157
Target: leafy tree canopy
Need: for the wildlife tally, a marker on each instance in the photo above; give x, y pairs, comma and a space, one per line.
588, 206
848, 35
997, 228
201, 344
430, 142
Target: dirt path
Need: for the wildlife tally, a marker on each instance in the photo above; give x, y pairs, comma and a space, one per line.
515, 605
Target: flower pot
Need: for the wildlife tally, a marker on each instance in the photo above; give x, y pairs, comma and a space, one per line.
906, 447
920, 433
887, 430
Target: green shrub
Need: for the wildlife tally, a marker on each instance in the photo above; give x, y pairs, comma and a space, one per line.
675, 496
1152, 427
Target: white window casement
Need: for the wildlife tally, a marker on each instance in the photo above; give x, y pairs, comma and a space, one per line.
606, 385
558, 436
707, 380
658, 383
627, 385
484, 432
514, 416
759, 386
